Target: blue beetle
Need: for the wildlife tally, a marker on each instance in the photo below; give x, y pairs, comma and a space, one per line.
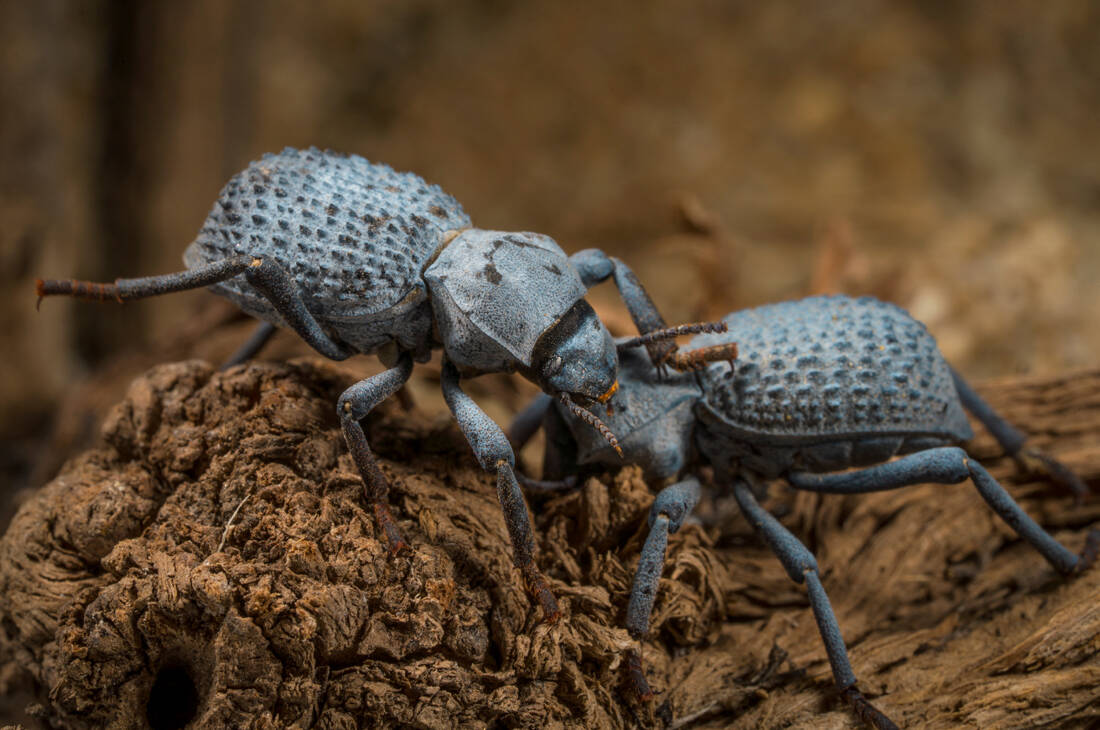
819, 385
357, 258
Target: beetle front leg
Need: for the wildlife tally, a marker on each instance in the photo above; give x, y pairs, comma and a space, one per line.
671, 507
495, 455
1012, 440
595, 266
354, 405
801, 566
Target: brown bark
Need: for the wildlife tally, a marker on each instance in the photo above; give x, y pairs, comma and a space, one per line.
218, 544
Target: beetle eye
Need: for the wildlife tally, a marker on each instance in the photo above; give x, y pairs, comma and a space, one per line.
553, 366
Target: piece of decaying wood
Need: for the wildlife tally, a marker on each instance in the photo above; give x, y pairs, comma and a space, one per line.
122, 572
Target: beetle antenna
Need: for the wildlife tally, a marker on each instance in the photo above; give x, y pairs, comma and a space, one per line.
669, 333
592, 420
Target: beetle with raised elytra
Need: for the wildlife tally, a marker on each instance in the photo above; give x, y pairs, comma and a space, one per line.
357, 258
820, 385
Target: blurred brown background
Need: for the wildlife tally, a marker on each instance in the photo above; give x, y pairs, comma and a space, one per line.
941, 155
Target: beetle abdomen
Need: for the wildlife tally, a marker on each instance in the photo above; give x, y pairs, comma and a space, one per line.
354, 235
832, 368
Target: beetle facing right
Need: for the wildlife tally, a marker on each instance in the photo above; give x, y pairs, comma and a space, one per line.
820, 385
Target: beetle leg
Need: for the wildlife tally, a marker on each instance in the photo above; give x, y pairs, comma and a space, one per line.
595, 266
547, 486
801, 566
354, 405
560, 451
698, 358
124, 290
528, 421
949, 465
559, 454
671, 507
283, 292
265, 275
495, 455
1012, 441
255, 342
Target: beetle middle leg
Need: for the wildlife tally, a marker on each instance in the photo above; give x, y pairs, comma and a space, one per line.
495, 455
801, 566
260, 336
1012, 440
951, 465
354, 405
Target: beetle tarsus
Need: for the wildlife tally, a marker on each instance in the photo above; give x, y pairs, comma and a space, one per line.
637, 676
1089, 552
388, 524
865, 711
88, 290
540, 590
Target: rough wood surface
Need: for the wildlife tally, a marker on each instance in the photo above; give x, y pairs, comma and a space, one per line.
214, 557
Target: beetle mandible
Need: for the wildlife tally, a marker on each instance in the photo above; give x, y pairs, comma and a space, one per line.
820, 385
357, 258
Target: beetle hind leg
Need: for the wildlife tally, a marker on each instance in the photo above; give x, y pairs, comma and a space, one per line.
270, 279
947, 465
1013, 441
801, 566
125, 290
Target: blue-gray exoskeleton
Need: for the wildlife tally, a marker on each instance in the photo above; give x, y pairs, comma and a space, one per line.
358, 258
819, 385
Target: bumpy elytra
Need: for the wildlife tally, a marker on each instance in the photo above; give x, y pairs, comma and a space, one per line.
356, 235
829, 383
357, 258
820, 385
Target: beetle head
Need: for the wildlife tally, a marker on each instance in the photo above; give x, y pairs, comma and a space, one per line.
577, 356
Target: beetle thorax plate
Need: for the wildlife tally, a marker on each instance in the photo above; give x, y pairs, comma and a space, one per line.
495, 293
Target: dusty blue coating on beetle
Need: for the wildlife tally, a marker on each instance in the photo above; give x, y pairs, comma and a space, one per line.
825, 383
820, 385
381, 257
652, 416
833, 366
356, 234
353, 234
502, 290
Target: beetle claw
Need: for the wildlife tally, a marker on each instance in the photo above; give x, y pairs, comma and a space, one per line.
541, 592
637, 676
